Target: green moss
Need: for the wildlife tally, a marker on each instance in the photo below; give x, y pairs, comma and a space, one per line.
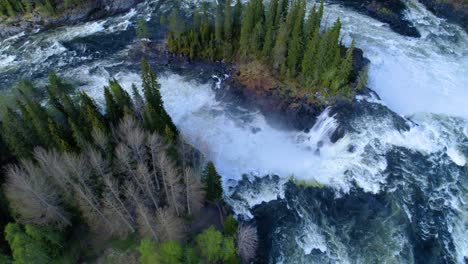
307, 183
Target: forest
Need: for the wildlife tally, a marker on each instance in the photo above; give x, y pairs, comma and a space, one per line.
80, 179
11, 8
280, 36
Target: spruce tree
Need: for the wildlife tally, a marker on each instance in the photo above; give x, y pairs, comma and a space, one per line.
212, 180
295, 47
219, 22
281, 47
237, 16
227, 30
154, 115
270, 27
113, 112
17, 134
281, 11
247, 28
311, 22
309, 61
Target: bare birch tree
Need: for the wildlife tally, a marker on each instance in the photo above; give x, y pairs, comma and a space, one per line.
131, 134
155, 144
34, 197
247, 242
148, 186
88, 202
145, 219
169, 226
194, 192
175, 188
116, 210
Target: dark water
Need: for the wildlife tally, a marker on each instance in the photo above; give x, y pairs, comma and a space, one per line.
393, 189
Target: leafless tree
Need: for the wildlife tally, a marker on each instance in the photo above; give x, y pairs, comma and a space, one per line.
132, 135
147, 184
34, 197
51, 162
169, 226
175, 188
194, 192
155, 144
146, 221
115, 208
247, 242
79, 179
125, 163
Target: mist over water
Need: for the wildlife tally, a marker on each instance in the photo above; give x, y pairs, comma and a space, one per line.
402, 191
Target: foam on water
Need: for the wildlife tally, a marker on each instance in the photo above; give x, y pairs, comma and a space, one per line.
429, 74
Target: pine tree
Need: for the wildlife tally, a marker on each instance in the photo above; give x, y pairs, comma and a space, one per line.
236, 24
113, 112
17, 134
258, 34
295, 47
227, 30
309, 60
154, 115
248, 23
212, 180
281, 11
219, 21
281, 47
270, 26
58, 136
311, 22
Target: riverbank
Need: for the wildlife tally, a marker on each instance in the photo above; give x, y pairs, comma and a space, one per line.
92, 10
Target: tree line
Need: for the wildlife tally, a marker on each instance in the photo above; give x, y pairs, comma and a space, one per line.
280, 35
121, 172
11, 8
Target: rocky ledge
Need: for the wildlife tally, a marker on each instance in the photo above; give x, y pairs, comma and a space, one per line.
387, 11
455, 11
92, 10
280, 106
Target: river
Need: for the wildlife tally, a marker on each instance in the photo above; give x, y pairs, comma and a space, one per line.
394, 189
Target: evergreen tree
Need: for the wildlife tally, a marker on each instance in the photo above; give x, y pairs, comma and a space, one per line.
309, 60
33, 244
281, 47
227, 30
236, 24
17, 134
248, 23
154, 115
219, 21
281, 11
212, 180
270, 26
113, 111
295, 46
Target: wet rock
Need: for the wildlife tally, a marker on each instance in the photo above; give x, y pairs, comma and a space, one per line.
387, 11
454, 11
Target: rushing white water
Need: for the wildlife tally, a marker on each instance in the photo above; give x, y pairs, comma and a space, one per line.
427, 74
424, 79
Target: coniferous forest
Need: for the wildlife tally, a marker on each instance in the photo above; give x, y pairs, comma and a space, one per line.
280, 36
11, 8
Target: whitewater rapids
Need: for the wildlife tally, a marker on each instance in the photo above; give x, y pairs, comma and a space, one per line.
414, 181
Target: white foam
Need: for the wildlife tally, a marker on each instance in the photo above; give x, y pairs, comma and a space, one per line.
428, 74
